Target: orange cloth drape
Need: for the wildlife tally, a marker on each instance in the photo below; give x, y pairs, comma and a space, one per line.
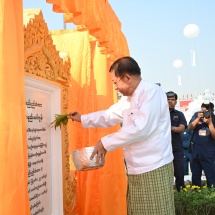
13, 152
99, 19
103, 191
109, 182
100, 192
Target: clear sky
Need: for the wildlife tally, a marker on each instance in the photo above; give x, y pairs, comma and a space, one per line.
154, 32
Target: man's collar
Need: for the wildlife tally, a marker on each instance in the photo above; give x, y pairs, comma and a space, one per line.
138, 88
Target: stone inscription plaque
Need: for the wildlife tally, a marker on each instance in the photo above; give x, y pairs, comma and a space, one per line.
38, 139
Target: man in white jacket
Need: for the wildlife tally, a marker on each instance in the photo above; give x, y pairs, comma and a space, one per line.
145, 136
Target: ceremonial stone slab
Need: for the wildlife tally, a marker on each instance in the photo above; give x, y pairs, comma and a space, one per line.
44, 148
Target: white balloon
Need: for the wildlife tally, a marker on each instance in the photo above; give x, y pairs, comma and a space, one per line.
177, 63
191, 31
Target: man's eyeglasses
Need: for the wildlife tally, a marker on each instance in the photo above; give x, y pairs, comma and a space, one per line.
116, 82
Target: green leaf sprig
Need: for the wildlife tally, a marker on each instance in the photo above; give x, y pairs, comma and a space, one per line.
60, 119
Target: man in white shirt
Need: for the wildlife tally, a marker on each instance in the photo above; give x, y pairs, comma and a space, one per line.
145, 136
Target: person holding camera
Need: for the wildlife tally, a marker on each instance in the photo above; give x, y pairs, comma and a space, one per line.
178, 125
203, 144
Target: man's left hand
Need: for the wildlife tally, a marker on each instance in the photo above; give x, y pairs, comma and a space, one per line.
207, 120
100, 151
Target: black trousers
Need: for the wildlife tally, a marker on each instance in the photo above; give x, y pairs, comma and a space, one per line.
209, 169
178, 163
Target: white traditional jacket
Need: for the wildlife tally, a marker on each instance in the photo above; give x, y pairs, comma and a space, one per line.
145, 134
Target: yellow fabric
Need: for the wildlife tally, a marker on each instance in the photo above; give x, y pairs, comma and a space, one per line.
13, 152
103, 191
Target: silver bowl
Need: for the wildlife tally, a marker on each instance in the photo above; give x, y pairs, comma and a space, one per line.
81, 159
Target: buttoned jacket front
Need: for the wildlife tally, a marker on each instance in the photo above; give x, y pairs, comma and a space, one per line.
145, 134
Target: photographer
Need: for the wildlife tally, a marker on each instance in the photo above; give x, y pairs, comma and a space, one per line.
203, 153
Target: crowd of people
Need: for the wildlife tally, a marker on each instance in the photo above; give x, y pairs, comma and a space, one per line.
151, 137
194, 148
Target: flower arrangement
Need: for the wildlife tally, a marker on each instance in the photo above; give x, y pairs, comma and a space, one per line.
193, 200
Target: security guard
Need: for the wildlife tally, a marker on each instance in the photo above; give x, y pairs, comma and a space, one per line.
178, 125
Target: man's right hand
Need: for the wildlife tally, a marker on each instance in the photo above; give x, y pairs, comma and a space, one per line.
200, 115
74, 116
